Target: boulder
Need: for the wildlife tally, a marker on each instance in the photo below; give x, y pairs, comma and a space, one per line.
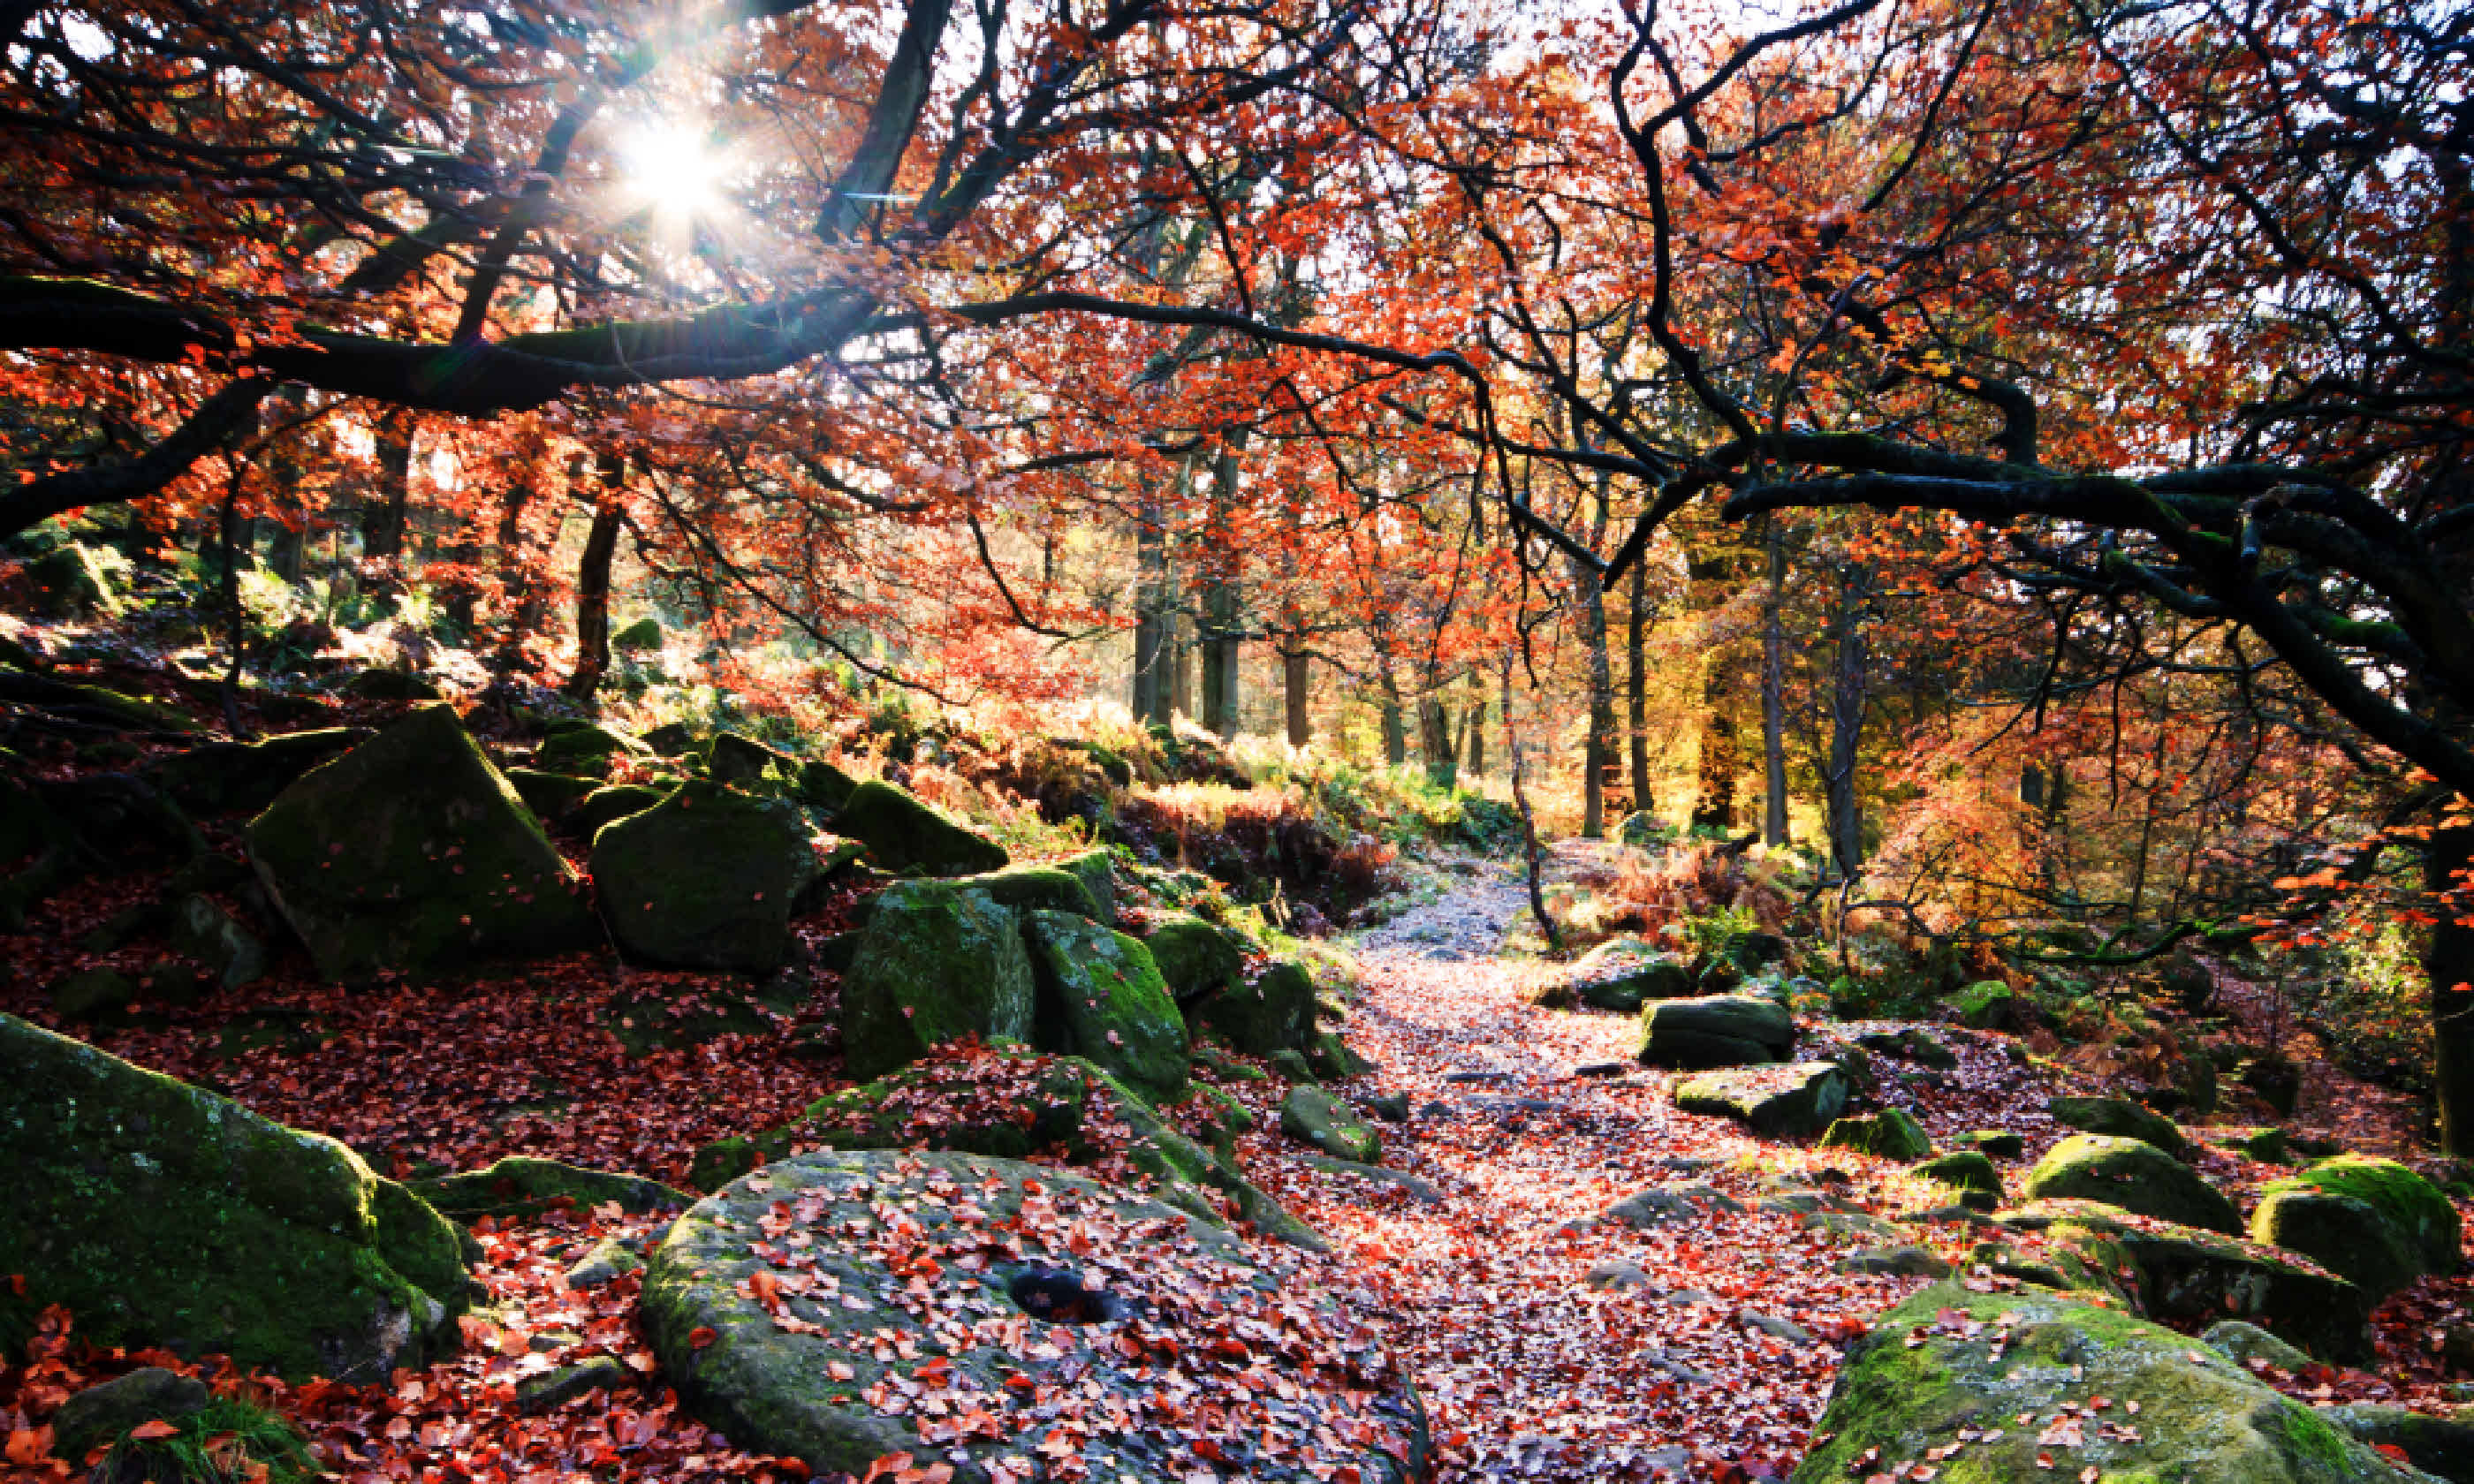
2243, 1343
522, 1185
1911, 1044
732, 758
1990, 1005
2121, 1118
824, 785
1195, 957
243, 777
162, 1214
1981, 1383
906, 836
1998, 1143
67, 581
1332, 1059
2133, 1176
1661, 1204
2372, 1221
1042, 1275
670, 739
1717, 1030
1100, 997
1313, 1116
1970, 1173
2443, 1446
101, 1414
2182, 1274
1097, 870
551, 795
935, 963
583, 747
1036, 888
390, 686
1272, 1012
608, 805
202, 930
93, 997
412, 853
704, 880
1624, 973
1643, 830
1775, 1102
1891, 1135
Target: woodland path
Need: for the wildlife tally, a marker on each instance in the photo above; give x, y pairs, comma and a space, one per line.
1697, 1351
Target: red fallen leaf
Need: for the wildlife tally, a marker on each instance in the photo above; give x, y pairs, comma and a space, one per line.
2391, 1452
29, 1447
149, 1431
891, 1462
701, 1336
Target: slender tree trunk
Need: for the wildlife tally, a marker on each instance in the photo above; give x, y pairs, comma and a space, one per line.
1221, 600
1847, 722
2448, 960
384, 513
1292, 696
592, 584
1436, 745
1476, 719
1396, 733
1528, 824
1181, 664
284, 548
1637, 688
1774, 690
1153, 641
515, 582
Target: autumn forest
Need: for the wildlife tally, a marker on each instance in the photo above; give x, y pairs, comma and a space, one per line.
1146, 740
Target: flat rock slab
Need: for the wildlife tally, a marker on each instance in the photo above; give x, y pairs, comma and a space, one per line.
839, 1306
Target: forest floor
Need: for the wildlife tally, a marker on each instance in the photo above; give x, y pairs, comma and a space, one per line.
1547, 1342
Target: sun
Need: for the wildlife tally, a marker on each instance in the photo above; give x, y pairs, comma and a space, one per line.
676, 167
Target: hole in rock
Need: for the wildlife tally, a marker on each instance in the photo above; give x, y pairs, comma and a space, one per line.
1058, 1295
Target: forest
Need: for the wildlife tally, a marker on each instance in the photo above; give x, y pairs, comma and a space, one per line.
1209, 740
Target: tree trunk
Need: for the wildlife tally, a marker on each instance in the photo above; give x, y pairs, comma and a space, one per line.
2448, 959
1395, 736
1153, 641
384, 513
1292, 696
1847, 722
1636, 688
516, 602
1528, 825
1474, 722
1436, 743
1221, 600
1774, 690
1181, 664
593, 584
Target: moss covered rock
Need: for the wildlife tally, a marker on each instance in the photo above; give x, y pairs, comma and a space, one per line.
1624, 973
2180, 1274
2134, 1176
1313, 1116
608, 805
521, 1186
1999, 1143
1717, 1030
1102, 998
1036, 889
935, 963
551, 795
705, 879
1990, 1005
824, 785
583, 747
67, 581
1775, 1102
1272, 1012
1332, 1059
243, 777
1891, 1135
1097, 870
2373, 1221
1075, 1261
1196, 958
2121, 1118
1951, 1375
203, 931
1909, 1044
412, 853
162, 1214
1970, 1173
731, 759
905, 835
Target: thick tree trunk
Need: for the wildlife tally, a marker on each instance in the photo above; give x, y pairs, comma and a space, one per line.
1292, 696
1436, 745
1221, 603
1474, 718
1396, 733
1637, 688
2449, 962
1774, 691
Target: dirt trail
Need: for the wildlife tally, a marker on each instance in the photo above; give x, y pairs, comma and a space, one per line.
1698, 1352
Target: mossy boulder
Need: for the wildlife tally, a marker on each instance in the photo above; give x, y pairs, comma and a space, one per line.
2183, 1275
1909, 1044
1100, 997
163, 1214
204, 932
1195, 957
522, 1185
1950, 1374
2442, 1446
2121, 1118
608, 805
1774, 1102
824, 785
935, 963
1717, 1030
412, 853
2134, 1176
905, 835
705, 879
1332, 1059
67, 581
1998, 1143
2371, 1220
103, 1414
1058, 1268
1310, 1115
243, 777
2267, 1144
1890, 1135
1036, 889
1270, 1013
1990, 1005
1097, 870
551, 795
1970, 1173
583, 747
1624, 973
643, 635
743, 761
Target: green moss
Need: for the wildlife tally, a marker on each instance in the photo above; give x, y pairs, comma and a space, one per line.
1102, 997
1890, 1135
1036, 889
163, 1215
904, 834
935, 963
1274, 1012
1196, 958
522, 1185
705, 879
2413, 1205
1970, 1173
2134, 1176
